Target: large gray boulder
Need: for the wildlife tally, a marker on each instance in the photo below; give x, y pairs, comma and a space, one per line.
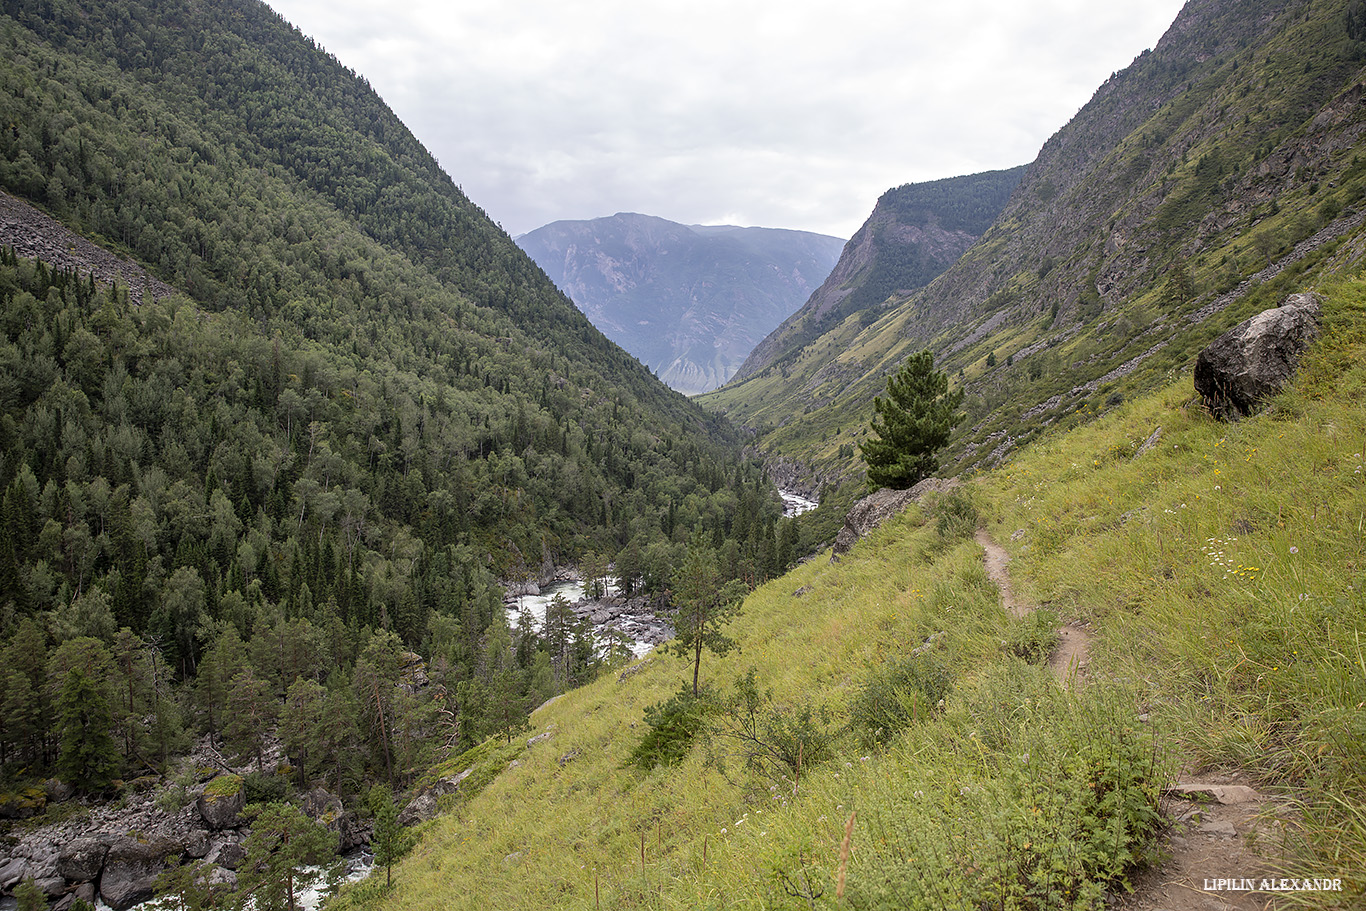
326, 808
12, 872
222, 800
229, 855
426, 804
879, 506
1250, 363
82, 860
131, 868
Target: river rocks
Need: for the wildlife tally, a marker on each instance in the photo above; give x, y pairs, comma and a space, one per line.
228, 854
85, 892
52, 886
81, 860
222, 800
12, 872
1248, 364
635, 618
197, 844
879, 506
320, 805
115, 850
327, 809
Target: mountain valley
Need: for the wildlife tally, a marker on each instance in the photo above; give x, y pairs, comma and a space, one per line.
287, 424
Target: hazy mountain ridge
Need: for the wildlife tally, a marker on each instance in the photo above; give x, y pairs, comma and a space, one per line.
689, 301
1152, 219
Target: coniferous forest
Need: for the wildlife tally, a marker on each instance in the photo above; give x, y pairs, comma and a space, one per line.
252, 506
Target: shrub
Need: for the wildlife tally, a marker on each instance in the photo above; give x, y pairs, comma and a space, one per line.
772, 740
671, 728
1055, 794
265, 787
898, 694
1034, 637
955, 515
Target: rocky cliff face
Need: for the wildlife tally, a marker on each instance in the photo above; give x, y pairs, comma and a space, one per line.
916, 231
688, 301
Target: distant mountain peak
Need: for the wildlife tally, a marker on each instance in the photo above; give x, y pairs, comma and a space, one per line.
690, 301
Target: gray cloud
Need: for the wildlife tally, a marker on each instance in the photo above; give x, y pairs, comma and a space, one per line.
796, 114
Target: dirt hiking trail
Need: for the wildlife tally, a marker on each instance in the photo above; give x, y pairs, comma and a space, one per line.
1072, 653
1221, 828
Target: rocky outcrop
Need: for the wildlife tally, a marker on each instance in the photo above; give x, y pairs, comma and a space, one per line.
426, 803
876, 508
22, 804
915, 232
222, 800
327, 809
1250, 363
131, 868
12, 872
81, 860
115, 850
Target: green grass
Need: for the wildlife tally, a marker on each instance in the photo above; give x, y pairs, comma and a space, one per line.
1220, 573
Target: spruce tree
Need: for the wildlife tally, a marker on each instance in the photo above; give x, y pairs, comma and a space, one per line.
913, 422
391, 839
89, 759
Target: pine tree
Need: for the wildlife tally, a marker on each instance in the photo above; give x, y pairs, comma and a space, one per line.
282, 842
251, 711
30, 896
913, 423
704, 604
301, 725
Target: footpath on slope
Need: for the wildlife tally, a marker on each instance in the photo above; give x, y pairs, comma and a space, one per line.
1213, 857
1069, 658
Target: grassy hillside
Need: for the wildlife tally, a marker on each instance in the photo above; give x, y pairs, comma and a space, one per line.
1197, 186
1219, 574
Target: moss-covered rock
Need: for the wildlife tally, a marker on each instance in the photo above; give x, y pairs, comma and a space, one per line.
222, 801
23, 803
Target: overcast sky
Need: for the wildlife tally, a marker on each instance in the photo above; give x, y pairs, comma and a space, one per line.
792, 114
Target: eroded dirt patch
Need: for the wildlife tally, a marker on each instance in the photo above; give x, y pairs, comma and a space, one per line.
1217, 850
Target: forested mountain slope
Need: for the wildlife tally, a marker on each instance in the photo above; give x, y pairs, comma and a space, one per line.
691, 301
365, 410
1195, 187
